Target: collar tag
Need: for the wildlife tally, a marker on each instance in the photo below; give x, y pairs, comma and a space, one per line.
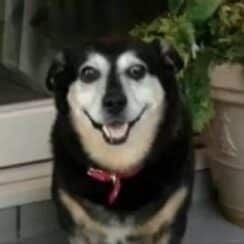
104, 176
114, 178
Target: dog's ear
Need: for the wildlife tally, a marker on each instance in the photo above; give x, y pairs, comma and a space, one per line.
55, 71
170, 56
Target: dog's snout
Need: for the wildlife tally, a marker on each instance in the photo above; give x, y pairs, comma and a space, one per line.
114, 103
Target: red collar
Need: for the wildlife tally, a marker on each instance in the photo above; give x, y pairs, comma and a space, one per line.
114, 178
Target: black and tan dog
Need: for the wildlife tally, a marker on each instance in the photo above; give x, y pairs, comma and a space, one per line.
122, 143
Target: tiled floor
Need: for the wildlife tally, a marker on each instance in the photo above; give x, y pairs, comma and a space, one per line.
206, 226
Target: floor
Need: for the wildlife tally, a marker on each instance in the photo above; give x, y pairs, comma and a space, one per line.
37, 223
206, 226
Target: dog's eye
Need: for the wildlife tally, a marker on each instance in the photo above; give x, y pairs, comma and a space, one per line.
137, 71
89, 74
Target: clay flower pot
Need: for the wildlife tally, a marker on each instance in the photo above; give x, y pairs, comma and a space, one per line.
225, 143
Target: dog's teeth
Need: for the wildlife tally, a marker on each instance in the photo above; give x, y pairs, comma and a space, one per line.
106, 131
115, 132
118, 132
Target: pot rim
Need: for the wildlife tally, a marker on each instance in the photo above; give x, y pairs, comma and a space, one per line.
236, 166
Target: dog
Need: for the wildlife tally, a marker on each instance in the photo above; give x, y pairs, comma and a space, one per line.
122, 143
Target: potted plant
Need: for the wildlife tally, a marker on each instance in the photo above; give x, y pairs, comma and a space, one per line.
209, 36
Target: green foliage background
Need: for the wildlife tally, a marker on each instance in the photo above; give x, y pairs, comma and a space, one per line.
204, 32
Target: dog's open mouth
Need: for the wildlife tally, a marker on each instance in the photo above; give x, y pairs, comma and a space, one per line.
116, 133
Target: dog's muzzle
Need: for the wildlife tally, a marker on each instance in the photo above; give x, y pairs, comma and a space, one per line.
116, 132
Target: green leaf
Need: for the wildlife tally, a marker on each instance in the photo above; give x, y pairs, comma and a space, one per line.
178, 31
199, 11
216, 29
196, 90
175, 5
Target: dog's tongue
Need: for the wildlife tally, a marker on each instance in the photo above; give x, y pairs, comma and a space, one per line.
115, 132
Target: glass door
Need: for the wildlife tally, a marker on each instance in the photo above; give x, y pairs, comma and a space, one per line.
26, 109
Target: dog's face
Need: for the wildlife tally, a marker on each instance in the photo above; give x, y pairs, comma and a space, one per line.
115, 96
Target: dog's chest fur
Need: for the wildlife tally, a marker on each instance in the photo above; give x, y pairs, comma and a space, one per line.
109, 229
151, 206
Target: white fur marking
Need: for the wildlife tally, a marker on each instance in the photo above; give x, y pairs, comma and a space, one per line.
88, 96
147, 92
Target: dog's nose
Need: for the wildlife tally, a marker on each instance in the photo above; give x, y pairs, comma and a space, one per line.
114, 103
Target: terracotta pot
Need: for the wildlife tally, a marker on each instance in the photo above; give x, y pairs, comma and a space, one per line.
226, 140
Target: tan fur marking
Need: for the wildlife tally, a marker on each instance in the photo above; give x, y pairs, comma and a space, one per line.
165, 215
164, 239
79, 215
75, 240
125, 156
